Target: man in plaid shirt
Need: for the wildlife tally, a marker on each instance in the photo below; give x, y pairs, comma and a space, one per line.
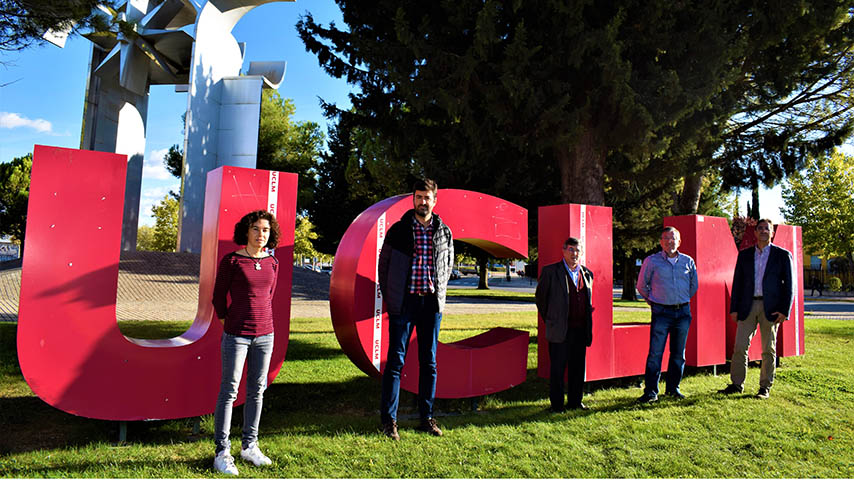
414, 267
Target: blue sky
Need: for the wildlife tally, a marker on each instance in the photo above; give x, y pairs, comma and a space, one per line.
43, 103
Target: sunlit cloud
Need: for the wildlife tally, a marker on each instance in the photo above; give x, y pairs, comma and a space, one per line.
14, 120
153, 167
149, 198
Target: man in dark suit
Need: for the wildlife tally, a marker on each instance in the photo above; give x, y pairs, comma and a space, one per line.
564, 300
762, 294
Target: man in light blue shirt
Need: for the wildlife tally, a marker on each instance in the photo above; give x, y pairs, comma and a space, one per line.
667, 281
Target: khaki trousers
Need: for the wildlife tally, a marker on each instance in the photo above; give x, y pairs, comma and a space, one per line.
743, 335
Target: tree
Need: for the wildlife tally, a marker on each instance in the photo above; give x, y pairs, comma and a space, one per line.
173, 160
23, 22
303, 236
165, 224
145, 238
15, 179
352, 175
556, 88
821, 201
288, 146
792, 97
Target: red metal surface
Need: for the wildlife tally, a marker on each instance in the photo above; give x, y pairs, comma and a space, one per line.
70, 349
709, 242
620, 350
487, 363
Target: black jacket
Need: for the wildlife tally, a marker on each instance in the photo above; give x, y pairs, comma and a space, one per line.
778, 291
553, 301
395, 262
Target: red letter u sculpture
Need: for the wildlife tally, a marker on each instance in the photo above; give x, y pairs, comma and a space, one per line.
490, 362
71, 351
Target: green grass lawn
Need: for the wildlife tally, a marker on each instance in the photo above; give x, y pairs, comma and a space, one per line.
513, 296
321, 420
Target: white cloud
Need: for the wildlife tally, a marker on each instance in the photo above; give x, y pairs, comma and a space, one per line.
155, 193
149, 198
13, 120
153, 167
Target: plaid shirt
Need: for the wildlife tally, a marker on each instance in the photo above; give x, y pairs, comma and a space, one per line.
422, 276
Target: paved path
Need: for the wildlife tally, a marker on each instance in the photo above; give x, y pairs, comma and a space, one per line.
159, 286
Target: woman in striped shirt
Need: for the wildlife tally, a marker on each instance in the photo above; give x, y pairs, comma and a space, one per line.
249, 276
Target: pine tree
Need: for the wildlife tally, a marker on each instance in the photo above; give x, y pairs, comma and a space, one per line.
542, 94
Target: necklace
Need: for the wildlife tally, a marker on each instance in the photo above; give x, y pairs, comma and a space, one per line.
256, 262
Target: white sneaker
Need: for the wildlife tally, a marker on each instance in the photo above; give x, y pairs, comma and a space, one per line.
253, 454
224, 463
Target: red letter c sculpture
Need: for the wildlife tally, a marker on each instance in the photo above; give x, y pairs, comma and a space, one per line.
491, 362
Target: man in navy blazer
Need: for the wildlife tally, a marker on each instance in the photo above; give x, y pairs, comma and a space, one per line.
762, 293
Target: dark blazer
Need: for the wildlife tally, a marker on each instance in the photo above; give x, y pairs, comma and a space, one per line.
553, 301
395, 262
778, 291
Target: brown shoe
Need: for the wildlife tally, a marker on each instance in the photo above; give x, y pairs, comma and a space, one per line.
429, 425
390, 430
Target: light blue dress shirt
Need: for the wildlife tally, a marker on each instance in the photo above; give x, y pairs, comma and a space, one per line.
573, 274
760, 260
661, 282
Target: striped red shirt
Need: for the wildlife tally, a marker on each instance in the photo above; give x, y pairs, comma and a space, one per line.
251, 292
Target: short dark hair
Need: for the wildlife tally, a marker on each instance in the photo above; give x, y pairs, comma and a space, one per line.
241, 228
671, 229
571, 241
425, 185
768, 221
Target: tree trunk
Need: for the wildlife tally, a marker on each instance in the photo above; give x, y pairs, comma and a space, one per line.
689, 199
582, 171
754, 207
483, 283
629, 279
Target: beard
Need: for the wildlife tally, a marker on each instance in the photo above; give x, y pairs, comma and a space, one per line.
422, 211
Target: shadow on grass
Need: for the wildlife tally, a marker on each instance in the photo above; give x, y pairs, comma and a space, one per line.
299, 349
323, 407
78, 469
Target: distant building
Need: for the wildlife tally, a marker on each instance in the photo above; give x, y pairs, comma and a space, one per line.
9, 250
821, 269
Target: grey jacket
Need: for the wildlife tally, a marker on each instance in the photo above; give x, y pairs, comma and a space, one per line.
395, 262
553, 301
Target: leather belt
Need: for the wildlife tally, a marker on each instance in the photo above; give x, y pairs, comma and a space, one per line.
757, 298
671, 307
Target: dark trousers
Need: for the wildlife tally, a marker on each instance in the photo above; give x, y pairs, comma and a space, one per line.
422, 314
570, 356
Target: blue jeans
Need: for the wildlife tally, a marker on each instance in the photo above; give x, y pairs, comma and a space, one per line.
235, 350
673, 322
423, 314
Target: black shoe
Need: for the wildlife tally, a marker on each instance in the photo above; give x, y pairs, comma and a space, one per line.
676, 394
731, 389
579, 406
429, 425
390, 430
557, 409
764, 393
647, 398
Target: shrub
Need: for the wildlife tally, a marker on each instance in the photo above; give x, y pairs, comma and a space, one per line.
834, 284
